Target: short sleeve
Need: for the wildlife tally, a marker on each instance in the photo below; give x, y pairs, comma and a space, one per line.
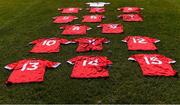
73, 60
64, 41
119, 9
55, 17
60, 9
107, 3
166, 59
126, 39
103, 16
62, 27
108, 62
75, 17
101, 25
11, 66
51, 64
120, 16
153, 40
104, 40
88, 28
132, 58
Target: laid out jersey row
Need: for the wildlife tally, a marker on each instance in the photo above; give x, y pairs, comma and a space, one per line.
33, 69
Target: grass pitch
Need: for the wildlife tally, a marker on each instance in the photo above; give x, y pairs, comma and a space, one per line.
22, 21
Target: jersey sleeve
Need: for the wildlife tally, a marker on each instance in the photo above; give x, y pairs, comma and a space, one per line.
64, 41
104, 40
88, 3
11, 66
73, 60
119, 9
51, 64
153, 40
62, 27
108, 62
107, 3
166, 59
60, 9
120, 16
75, 17
101, 25
88, 28
126, 39
80, 8
132, 58
55, 17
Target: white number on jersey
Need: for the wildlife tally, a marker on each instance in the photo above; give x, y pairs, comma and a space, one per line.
71, 9
93, 17
113, 26
34, 66
76, 28
94, 63
152, 60
92, 41
65, 17
49, 42
139, 40
130, 9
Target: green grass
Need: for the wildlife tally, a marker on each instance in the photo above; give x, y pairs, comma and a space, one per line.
22, 21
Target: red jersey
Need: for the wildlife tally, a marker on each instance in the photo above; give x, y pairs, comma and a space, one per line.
75, 29
97, 10
87, 44
48, 45
154, 64
64, 19
90, 66
29, 70
140, 43
131, 17
130, 9
93, 18
111, 28
69, 10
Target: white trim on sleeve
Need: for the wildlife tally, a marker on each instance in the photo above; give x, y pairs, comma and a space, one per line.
172, 62
132, 59
70, 62
124, 41
56, 65
7, 67
89, 28
107, 41
157, 41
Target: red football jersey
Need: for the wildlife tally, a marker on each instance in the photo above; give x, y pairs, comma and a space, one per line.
130, 9
111, 28
69, 10
140, 43
48, 45
93, 18
75, 29
90, 66
29, 70
154, 64
87, 44
131, 17
97, 10
64, 19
